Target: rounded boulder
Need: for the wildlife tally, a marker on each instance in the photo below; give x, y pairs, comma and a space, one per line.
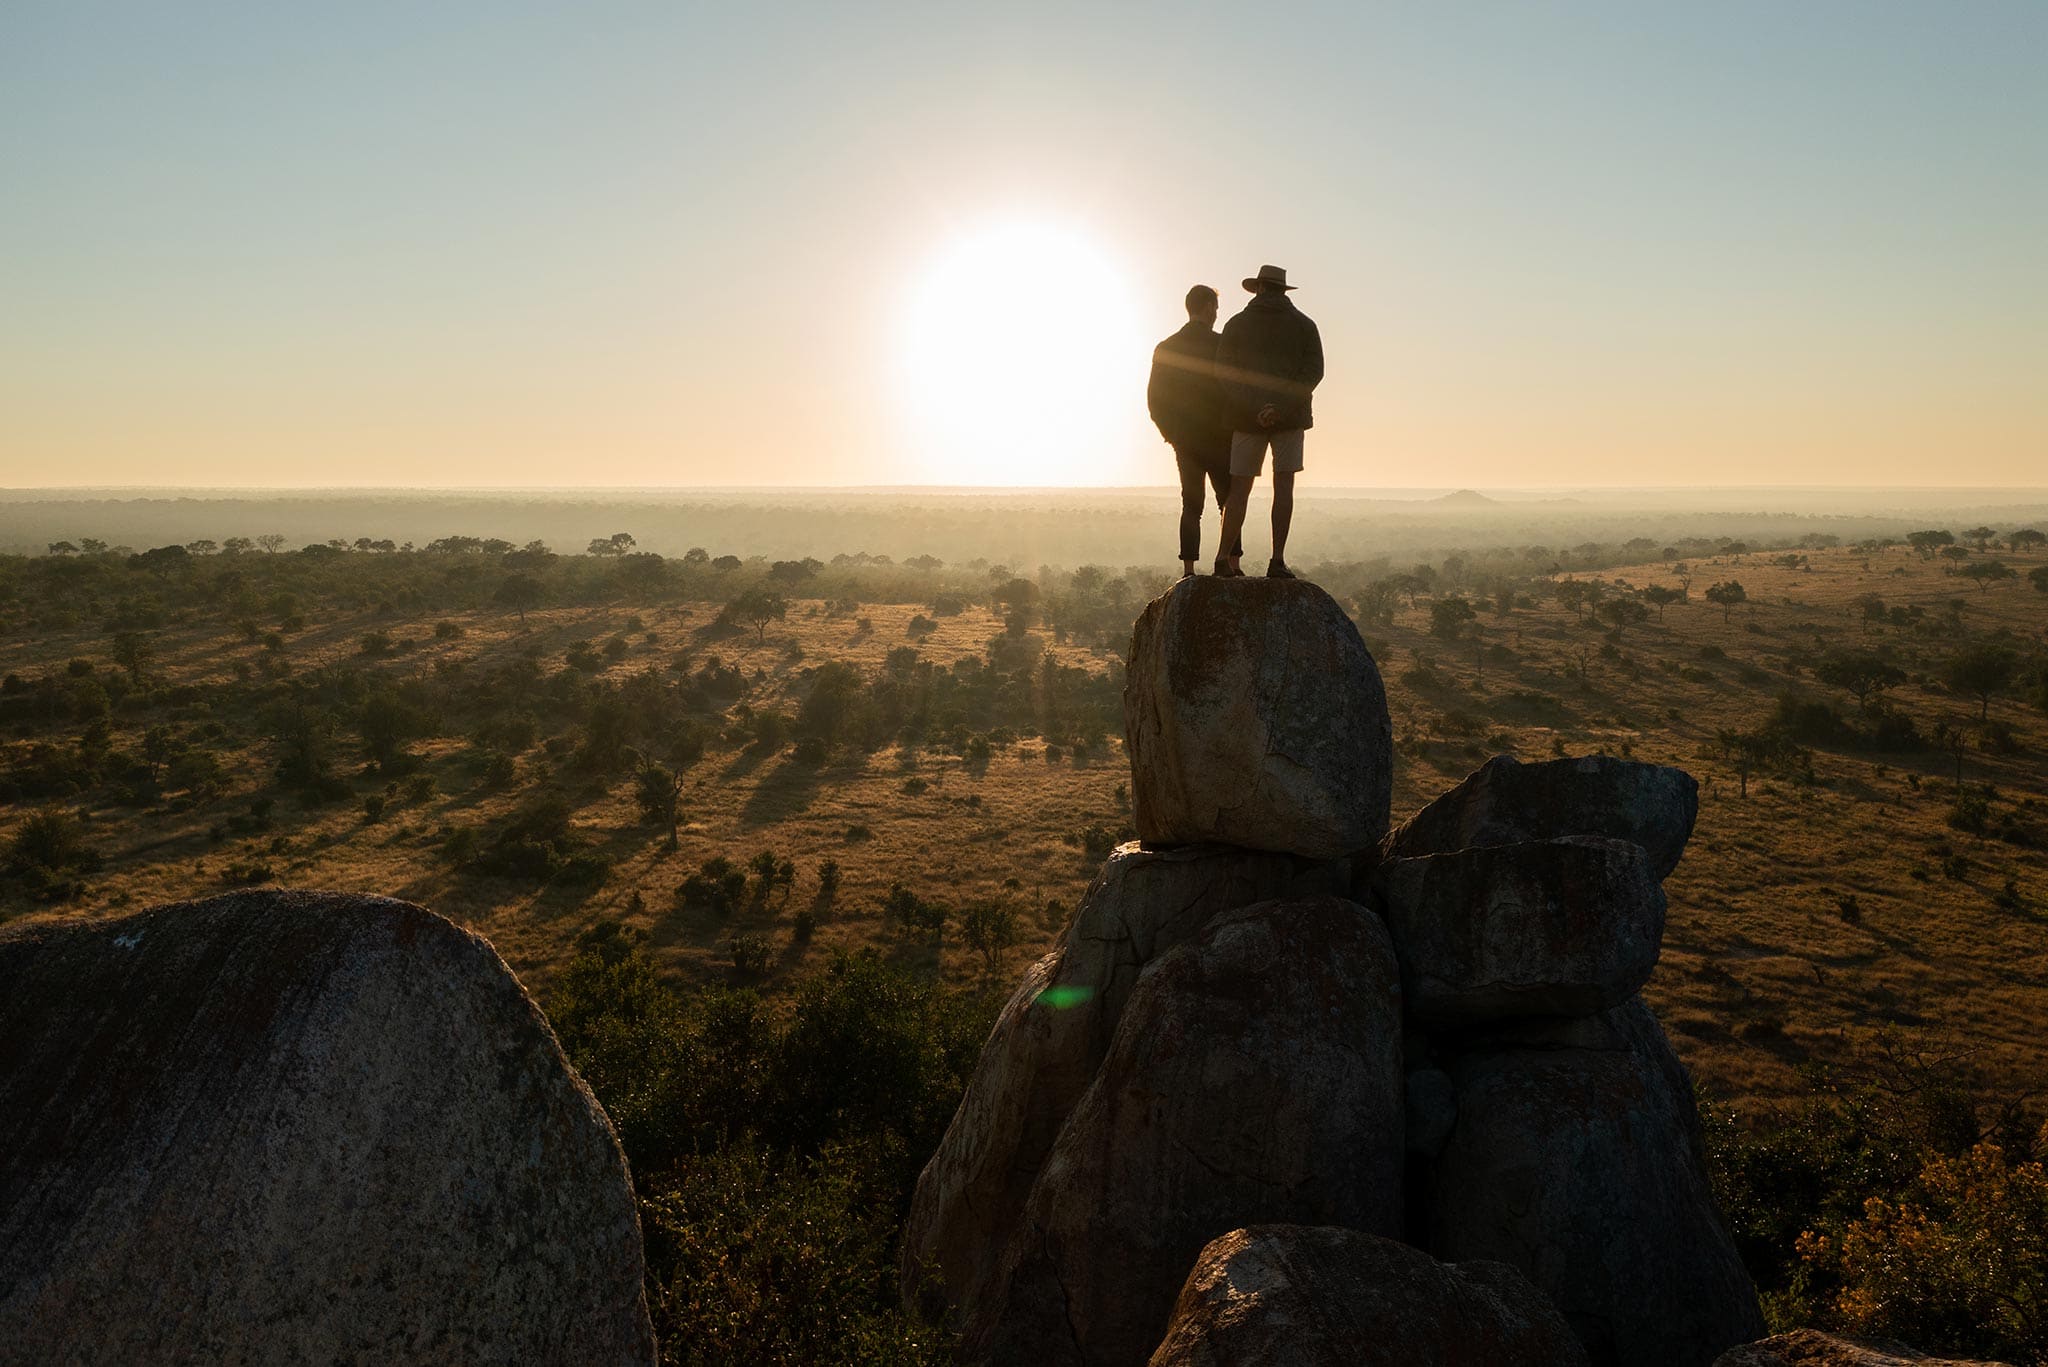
1255, 716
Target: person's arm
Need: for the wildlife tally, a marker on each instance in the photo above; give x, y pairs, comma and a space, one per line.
1313, 369
1240, 395
1159, 394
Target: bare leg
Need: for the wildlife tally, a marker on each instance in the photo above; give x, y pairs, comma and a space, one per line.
1283, 512
1233, 513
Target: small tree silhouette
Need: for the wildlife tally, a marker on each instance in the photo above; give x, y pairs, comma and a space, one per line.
520, 591
1727, 594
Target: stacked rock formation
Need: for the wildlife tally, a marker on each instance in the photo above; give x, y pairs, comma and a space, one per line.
1292, 1088
299, 1127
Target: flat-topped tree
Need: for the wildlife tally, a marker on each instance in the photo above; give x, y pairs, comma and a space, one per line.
1727, 594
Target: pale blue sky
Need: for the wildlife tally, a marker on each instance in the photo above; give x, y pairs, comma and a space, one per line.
470, 243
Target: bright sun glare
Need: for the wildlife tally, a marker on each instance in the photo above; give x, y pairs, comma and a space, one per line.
1022, 359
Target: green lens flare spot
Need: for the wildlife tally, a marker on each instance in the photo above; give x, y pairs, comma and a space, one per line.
1061, 998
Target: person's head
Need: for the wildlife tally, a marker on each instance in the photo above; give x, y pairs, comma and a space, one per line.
1202, 305
1269, 280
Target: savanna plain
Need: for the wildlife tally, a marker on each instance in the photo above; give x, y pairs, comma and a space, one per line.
716, 785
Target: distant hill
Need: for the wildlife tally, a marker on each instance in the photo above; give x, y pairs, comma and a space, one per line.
1466, 498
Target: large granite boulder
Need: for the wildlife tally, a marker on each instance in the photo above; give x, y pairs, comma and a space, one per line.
1563, 927
299, 1127
1576, 1157
1811, 1348
1505, 801
1052, 1037
1299, 1296
1255, 1076
1253, 715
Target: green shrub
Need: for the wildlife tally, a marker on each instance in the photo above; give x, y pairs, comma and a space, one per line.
756, 1257
1959, 1261
752, 954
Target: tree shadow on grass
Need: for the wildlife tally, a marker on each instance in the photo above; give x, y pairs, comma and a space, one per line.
783, 792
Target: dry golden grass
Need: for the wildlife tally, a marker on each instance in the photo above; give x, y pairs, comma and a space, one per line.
1761, 971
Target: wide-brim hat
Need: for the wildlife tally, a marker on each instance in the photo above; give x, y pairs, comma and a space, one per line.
1268, 275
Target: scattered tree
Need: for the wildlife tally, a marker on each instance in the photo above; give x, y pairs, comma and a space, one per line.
1985, 573
658, 790
1981, 670
1863, 673
1663, 596
519, 591
1727, 594
1448, 618
757, 607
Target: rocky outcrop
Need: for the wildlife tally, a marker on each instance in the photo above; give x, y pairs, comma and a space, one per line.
1194, 1059
1505, 802
1295, 1296
1052, 1037
1576, 1157
1255, 1076
1254, 716
299, 1127
1811, 1348
1563, 927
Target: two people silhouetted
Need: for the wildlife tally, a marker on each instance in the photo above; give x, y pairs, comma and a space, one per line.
1251, 396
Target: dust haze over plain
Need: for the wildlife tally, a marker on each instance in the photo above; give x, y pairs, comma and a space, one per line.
1022, 529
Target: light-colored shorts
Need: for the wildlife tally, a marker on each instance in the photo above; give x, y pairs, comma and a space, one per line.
1248, 452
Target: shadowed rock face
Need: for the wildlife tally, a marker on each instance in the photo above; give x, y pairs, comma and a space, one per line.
1302, 1296
299, 1127
1255, 1076
1811, 1348
1576, 1158
1505, 801
1254, 716
1053, 1035
1562, 927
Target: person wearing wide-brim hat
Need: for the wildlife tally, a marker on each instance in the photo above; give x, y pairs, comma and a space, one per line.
1270, 360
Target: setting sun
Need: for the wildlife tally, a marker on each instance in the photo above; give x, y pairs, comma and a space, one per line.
1022, 360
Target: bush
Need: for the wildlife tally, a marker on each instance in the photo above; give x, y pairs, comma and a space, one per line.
803, 924
758, 1258
48, 848
752, 954
719, 885
989, 928
1959, 1260
1971, 812
913, 913
373, 807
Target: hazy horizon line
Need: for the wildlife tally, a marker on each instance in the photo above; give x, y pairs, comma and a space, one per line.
1309, 490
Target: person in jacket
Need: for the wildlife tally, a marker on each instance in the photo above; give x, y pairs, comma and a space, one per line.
1269, 360
1186, 404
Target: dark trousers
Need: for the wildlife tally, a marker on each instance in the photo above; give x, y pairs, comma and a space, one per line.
1194, 466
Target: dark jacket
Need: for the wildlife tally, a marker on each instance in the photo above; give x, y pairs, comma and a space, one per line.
1270, 354
1183, 396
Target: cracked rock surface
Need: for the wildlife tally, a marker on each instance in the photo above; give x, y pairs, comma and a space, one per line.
1317, 1296
1255, 1076
1565, 927
1506, 801
1052, 1037
1576, 1157
1254, 716
299, 1127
